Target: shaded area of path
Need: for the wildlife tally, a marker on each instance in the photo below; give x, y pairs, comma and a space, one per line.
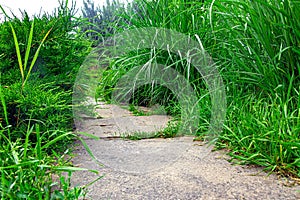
175, 168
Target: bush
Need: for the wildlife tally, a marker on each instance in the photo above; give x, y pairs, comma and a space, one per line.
63, 51
43, 102
35, 117
48, 100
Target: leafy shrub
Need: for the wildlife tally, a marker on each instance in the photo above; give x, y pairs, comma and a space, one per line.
59, 60
62, 53
39, 102
35, 117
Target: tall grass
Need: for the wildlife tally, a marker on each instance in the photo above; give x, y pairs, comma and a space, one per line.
28, 170
261, 55
256, 45
23, 66
35, 113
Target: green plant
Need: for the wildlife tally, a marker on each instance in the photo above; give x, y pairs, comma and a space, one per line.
263, 131
102, 22
170, 131
27, 169
46, 103
258, 44
135, 111
40, 99
35, 113
55, 60
25, 73
255, 45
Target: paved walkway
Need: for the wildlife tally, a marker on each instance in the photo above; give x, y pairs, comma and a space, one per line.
175, 168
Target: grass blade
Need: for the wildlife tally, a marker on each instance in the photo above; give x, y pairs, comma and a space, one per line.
36, 56
27, 142
16, 44
28, 45
38, 142
57, 139
3, 104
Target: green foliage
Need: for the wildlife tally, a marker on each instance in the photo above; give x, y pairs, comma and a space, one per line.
61, 54
28, 170
256, 45
44, 102
263, 131
102, 22
184, 16
38, 68
170, 131
57, 60
136, 112
262, 42
24, 104
25, 73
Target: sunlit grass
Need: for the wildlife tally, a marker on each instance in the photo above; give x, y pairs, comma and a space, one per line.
25, 73
255, 45
35, 115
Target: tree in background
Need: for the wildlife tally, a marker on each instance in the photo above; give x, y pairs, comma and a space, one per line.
102, 22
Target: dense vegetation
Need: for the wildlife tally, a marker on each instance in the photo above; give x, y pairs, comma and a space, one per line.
37, 73
256, 45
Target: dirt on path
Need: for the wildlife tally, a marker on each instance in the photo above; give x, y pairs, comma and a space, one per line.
174, 168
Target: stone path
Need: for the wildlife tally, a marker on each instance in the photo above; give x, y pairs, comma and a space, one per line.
175, 168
